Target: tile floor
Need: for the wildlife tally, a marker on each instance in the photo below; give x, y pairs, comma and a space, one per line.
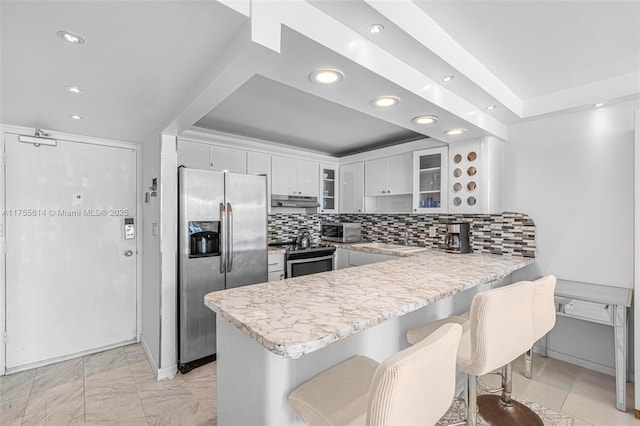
117, 387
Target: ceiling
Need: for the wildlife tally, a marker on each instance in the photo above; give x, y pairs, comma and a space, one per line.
153, 66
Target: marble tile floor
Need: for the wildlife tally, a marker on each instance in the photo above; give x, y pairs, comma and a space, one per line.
117, 387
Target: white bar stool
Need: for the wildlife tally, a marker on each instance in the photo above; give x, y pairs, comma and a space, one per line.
499, 329
544, 315
414, 386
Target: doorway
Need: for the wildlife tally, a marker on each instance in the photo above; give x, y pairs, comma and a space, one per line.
71, 249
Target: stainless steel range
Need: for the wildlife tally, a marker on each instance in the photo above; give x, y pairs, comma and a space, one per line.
308, 260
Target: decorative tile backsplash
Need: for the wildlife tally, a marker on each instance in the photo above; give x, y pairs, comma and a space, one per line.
512, 234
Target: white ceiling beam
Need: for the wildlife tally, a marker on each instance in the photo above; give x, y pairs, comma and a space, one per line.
419, 25
233, 68
309, 21
622, 87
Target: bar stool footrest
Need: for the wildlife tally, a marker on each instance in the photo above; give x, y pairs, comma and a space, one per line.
495, 413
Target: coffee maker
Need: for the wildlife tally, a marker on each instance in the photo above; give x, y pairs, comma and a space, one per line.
457, 239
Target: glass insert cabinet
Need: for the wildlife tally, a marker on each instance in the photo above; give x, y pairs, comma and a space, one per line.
328, 189
430, 172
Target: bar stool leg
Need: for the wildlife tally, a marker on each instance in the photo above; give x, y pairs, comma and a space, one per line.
528, 364
471, 392
506, 386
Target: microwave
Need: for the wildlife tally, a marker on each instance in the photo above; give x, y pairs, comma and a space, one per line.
342, 232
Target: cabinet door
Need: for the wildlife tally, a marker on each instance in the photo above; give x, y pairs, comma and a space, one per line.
352, 188
307, 177
232, 160
284, 172
399, 176
328, 188
375, 178
259, 163
193, 155
430, 181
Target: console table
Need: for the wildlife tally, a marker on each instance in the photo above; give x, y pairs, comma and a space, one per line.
604, 305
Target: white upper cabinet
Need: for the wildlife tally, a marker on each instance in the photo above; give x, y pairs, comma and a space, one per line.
230, 159
352, 188
399, 174
260, 164
193, 155
308, 178
430, 180
375, 177
203, 156
291, 176
388, 176
283, 176
329, 188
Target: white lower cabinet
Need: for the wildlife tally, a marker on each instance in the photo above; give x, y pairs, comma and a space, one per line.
275, 266
347, 258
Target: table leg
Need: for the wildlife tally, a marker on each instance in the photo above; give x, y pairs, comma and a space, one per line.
620, 333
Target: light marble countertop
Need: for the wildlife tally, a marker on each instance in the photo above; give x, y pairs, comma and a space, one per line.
276, 250
300, 315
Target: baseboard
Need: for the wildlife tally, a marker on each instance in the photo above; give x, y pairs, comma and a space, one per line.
167, 372
150, 358
605, 369
67, 357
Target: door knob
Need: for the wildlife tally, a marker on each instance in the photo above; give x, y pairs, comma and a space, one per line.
128, 253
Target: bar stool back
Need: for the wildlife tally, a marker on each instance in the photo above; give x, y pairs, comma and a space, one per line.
414, 386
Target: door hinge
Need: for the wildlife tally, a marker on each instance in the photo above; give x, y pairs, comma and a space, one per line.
4, 248
4, 158
4, 337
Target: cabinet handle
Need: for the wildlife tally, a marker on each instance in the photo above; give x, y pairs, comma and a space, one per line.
384, 192
388, 191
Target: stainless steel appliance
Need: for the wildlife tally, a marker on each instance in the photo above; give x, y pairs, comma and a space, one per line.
222, 244
343, 232
457, 239
307, 260
294, 201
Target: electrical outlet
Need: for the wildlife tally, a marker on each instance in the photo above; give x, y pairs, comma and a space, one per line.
432, 231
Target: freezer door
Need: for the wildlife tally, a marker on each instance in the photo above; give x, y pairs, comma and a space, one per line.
246, 198
201, 193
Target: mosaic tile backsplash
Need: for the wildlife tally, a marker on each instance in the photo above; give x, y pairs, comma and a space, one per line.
512, 234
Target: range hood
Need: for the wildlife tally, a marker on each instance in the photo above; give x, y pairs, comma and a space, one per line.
294, 201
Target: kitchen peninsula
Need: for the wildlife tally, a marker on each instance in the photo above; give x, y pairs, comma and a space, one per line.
276, 335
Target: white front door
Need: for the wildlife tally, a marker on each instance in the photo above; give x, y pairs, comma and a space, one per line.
70, 271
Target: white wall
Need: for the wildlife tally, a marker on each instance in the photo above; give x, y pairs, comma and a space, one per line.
150, 333
573, 174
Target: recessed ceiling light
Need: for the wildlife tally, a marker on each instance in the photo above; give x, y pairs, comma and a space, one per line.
74, 89
426, 119
70, 37
453, 132
599, 104
326, 76
447, 78
385, 101
375, 29
76, 117
491, 107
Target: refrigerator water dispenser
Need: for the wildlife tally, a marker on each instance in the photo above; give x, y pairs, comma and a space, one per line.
204, 239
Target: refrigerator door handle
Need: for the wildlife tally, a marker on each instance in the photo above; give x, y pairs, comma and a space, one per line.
223, 228
229, 237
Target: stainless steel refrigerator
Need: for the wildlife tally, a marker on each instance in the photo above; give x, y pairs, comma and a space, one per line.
222, 244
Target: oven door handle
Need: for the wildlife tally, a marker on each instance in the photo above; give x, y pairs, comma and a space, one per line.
307, 260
